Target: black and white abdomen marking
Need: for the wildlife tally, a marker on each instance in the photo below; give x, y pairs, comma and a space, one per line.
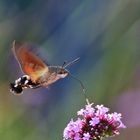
15, 89
22, 83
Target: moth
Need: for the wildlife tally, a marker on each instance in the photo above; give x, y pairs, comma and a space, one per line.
36, 72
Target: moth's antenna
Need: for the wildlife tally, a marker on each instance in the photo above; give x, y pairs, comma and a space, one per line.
70, 63
63, 66
82, 85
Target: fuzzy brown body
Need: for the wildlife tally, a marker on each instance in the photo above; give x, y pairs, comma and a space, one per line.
53, 74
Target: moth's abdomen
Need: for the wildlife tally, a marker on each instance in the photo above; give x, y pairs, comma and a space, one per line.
15, 89
22, 83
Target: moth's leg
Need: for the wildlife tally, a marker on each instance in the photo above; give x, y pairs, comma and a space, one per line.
36, 86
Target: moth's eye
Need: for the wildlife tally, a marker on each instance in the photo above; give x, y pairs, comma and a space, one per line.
61, 72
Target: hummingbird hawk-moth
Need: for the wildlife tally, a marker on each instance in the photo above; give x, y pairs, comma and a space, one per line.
37, 73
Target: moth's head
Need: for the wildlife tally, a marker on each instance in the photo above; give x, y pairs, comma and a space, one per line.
16, 89
62, 73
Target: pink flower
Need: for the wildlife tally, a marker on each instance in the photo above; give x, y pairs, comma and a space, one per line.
101, 110
86, 136
88, 111
94, 123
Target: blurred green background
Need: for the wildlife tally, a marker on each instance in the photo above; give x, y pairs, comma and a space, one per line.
105, 34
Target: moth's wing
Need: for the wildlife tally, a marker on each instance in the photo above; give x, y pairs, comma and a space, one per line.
30, 64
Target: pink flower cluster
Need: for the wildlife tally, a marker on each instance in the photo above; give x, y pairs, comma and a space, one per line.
94, 123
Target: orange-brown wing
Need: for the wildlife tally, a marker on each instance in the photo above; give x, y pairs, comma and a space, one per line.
29, 62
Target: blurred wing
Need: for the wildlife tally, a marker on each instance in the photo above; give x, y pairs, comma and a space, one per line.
29, 62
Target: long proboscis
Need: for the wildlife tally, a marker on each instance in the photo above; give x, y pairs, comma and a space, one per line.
82, 85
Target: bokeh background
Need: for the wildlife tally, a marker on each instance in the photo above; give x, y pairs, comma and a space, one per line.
105, 34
